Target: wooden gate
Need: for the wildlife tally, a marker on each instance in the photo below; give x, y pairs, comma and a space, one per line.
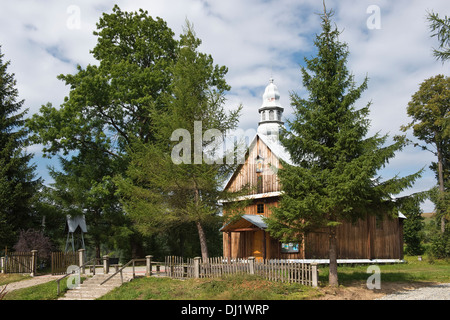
62, 260
18, 262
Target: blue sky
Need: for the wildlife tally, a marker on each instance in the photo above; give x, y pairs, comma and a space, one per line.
255, 39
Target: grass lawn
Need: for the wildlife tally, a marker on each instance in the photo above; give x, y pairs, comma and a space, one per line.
236, 287
412, 271
45, 291
9, 278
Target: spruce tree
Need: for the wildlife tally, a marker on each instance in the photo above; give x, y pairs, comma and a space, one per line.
334, 177
17, 184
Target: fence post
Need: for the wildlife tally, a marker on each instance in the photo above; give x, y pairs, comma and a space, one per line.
148, 266
2, 264
106, 264
251, 263
314, 278
81, 260
197, 267
33, 262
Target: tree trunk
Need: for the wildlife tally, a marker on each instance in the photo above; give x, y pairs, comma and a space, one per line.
201, 232
441, 188
333, 275
202, 237
97, 250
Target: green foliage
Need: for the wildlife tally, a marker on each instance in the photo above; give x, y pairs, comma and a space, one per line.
110, 103
334, 178
441, 29
413, 228
440, 245
429, 109
18, 187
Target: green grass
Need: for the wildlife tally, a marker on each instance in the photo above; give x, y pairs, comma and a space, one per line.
237, 287
10, 278
411, 271
45, 291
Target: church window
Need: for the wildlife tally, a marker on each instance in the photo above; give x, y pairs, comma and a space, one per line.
271, 115
260, 208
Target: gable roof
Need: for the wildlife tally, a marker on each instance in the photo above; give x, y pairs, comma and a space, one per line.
256, 220
275, 147
73, 222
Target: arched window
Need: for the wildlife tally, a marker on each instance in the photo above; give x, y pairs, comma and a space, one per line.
271, 115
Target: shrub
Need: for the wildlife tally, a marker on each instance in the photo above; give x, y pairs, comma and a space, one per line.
440, 245
34, 240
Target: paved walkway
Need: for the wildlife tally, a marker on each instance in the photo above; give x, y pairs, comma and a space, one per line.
436, 292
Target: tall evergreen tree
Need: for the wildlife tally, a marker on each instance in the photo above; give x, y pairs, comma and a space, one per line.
18, 185
334, 178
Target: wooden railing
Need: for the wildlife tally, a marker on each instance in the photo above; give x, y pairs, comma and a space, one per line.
148, 266
75, 270
132, 261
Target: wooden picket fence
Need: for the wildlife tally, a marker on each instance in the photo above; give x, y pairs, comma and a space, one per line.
287, 271
62, 260
274, 270
17, 262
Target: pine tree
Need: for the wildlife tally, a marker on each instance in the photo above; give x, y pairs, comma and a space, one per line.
17, 187
334, 178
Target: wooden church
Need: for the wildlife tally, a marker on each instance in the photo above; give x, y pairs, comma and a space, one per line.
367, 239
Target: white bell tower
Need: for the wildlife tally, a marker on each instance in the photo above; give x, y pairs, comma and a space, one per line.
271, 112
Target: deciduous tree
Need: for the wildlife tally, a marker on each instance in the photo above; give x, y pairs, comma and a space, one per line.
429, 109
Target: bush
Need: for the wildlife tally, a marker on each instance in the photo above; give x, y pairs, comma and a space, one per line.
34, 240
440, 245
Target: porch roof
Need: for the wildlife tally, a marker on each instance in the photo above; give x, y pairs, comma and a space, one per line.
246, 222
